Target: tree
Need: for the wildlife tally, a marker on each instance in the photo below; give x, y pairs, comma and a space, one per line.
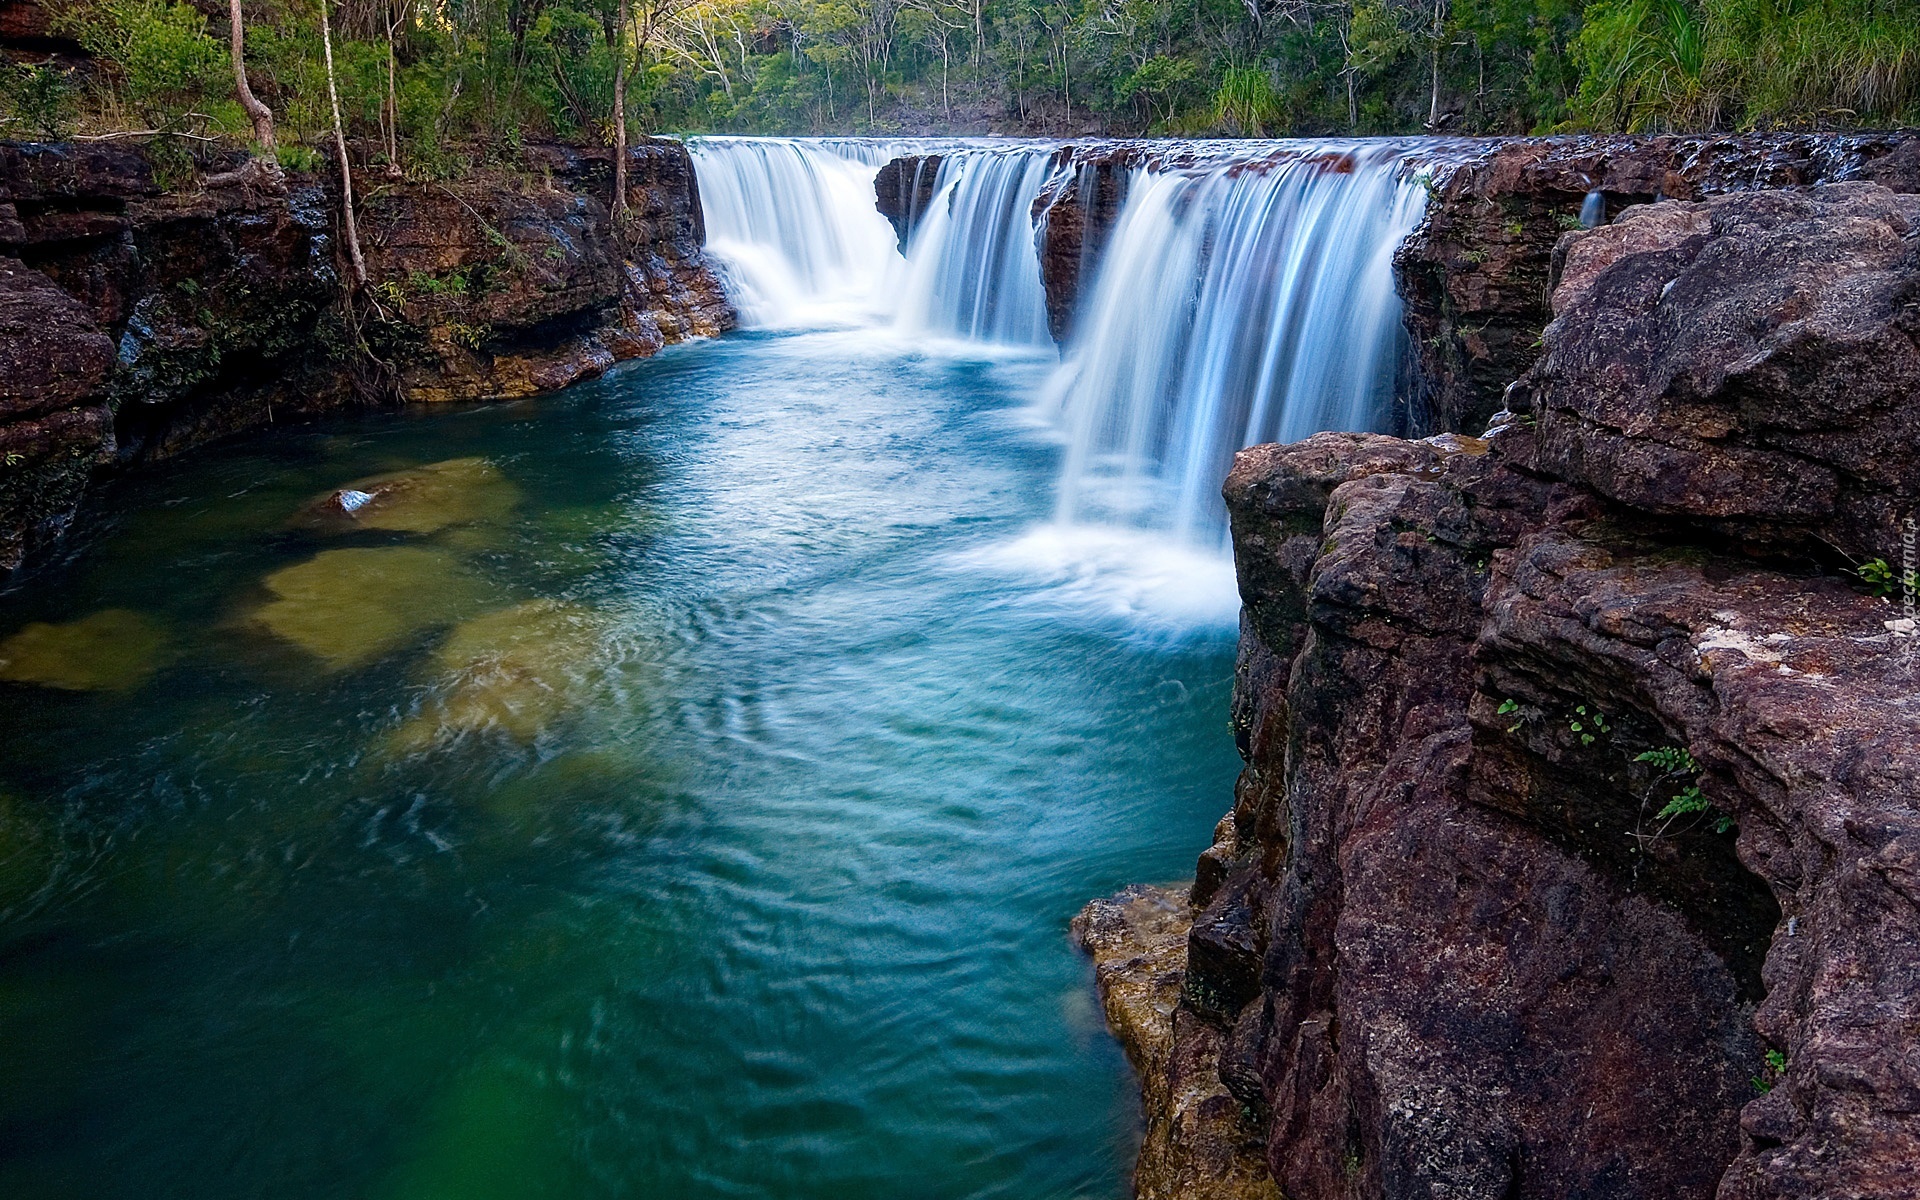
259, 114
620, 119
340, 148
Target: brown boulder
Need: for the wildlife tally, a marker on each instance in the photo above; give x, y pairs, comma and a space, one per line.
1748, 361
1475, 275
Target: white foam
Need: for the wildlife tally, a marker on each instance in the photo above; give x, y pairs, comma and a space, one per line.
1146, 581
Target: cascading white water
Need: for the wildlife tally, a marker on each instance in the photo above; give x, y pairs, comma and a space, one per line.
1244, 295
793, 224
1244, 299
972, 270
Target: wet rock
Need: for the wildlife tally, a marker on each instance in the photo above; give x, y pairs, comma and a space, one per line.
903, 189
512, 673
350, 607
1074, 216
460, 491
1200, 1143
112, 650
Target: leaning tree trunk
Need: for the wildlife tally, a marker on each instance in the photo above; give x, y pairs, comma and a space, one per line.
257, 112
340, 148
620, 122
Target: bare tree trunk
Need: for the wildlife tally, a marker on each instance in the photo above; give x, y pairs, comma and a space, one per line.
258, 113
340, 148
393, 94
620, 121
1439, 30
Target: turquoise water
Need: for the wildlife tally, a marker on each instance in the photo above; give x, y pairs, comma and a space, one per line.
686, 799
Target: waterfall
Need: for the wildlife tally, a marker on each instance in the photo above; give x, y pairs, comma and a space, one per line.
793, 224
1246, 297
972, 270
1245, 293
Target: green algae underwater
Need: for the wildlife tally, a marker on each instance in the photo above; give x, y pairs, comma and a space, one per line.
669, 788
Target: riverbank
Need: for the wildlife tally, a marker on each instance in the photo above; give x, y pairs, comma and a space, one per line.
137, 322
1572, 852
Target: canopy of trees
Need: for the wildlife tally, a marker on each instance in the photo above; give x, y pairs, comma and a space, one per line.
423, 83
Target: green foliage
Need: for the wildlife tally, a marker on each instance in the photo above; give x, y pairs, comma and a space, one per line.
1521, 713
1774, 1067
445, 85
1878, 577
1246, 104
1670, 760
38, 97
1674, 64
1589, 722
298, 158
1675, 762
1643, 65
167, 68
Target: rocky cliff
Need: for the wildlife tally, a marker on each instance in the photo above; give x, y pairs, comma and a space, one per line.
138, 320
1575, 853
1474, 275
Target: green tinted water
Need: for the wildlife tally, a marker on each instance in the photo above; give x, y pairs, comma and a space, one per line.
683, 793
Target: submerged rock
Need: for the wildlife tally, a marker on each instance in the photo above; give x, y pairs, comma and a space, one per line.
348, 607
112, 650
459, 491
513, 672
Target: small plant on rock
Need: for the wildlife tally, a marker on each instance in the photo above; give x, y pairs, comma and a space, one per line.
1776, 1066
1876, 575
1590, 723
1674, 762
1522, 714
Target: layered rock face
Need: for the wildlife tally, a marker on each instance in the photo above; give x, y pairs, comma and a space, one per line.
1575, 853
138, 321
1073, 218
902, 191
1474, 276
505, 288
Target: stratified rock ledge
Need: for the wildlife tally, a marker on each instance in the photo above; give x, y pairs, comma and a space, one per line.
1200, 1143
1576, 851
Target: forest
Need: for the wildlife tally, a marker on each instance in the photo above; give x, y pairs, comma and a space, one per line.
427, 84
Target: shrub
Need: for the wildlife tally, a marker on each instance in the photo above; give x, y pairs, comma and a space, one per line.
39, 97
167, 67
